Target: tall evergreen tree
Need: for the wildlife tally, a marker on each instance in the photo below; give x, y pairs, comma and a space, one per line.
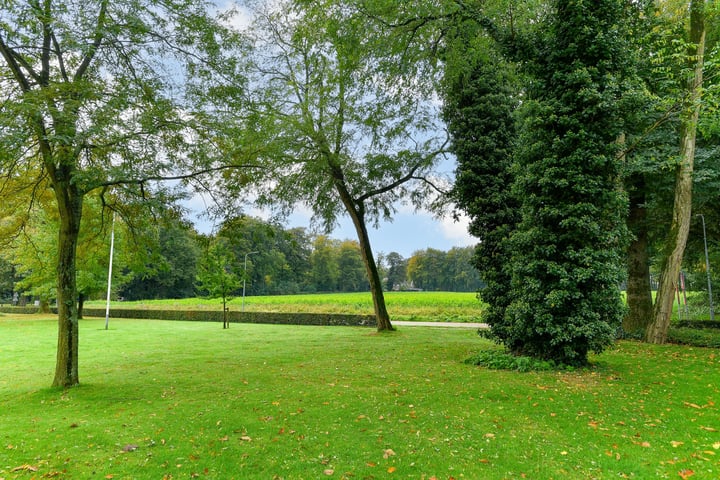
479, 111
567, 251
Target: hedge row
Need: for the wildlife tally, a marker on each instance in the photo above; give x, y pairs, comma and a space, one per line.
217, 316
698, 324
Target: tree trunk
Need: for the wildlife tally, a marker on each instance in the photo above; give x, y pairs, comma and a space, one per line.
381, 313
358, 217
81, 305
69, 202
682, 209
639, 292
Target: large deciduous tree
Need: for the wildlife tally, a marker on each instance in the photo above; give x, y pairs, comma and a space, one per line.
676, 240
344, 123
92, 97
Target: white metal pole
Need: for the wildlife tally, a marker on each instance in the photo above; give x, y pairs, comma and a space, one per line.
109, 282
707, 266
244, 276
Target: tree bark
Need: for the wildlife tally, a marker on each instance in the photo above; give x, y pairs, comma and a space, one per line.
639, 292
69, 202
682, 208
381, 313
357, 214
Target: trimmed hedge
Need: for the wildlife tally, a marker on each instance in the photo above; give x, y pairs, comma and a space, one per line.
23, 310
217, 316
697, 324
696, 337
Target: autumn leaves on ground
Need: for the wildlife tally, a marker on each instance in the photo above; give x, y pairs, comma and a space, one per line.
190, 400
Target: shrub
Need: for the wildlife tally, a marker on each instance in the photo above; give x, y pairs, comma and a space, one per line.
697, 337
501, 360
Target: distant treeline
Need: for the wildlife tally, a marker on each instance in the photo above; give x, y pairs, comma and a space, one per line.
274, 260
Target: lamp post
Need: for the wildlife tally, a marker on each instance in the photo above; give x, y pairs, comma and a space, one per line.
707, 266
244, 277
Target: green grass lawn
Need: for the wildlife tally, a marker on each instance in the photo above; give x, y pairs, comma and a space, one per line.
426, 306
162, 400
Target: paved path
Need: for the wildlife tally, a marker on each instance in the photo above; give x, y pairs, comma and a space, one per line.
440, 324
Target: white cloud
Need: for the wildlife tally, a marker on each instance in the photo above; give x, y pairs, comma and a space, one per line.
457, 230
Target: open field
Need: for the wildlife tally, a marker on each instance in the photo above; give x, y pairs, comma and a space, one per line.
162, 400
425, 306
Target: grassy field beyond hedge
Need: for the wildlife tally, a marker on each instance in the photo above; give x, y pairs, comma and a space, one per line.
426, 306
179, 400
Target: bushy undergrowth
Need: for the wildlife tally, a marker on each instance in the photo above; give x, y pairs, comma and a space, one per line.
696, 337
501, 360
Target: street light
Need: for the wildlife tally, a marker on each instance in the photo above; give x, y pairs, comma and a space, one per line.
244, 277
707, 265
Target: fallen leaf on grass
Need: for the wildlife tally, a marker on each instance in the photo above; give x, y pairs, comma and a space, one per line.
391, 469
245, 438
388, 453
25, 468
709, 429
685, 474
328, 471
129, 448
676, 444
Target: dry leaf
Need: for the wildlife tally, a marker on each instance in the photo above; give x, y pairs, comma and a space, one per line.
685, 474
245, 438
676, 444
328, 471
388, 453
25, 468
391, 469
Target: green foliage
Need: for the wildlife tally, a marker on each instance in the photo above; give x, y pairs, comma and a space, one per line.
435, 270
217, 275
500, 360
568, 248
696, 337
479, 111
173, 253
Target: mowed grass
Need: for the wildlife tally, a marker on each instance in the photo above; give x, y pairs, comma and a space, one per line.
172, 400
425, 306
